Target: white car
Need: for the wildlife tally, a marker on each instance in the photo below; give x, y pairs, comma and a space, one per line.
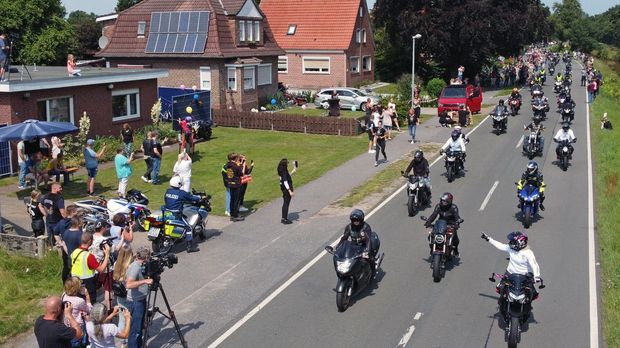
349, 98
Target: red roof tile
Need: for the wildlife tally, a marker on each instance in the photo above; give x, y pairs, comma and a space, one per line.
321, 24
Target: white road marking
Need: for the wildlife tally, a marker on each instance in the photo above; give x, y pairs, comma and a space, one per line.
299, 273
488, 197
594, 339
519, 143
407, 336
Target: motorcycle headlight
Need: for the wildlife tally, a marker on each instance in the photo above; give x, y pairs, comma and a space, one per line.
565, 149
439, 239
344, 266
516, 298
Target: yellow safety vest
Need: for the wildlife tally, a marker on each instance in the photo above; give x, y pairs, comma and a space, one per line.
79, 266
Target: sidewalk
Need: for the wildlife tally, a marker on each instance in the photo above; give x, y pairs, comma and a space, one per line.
241, 262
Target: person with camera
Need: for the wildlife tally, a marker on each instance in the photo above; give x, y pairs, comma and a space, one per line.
100, 329
247, 172
137, 292
49, 328
77, 295
101, 238
84, 264
234, 172
122, 231
174, 198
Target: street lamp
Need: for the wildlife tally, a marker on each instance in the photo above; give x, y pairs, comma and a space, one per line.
413, 38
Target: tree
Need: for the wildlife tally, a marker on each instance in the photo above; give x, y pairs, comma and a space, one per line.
38, 30
606, 26
572, 25
87, 31
122, 5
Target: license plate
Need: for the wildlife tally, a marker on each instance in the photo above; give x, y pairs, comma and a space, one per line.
153, 232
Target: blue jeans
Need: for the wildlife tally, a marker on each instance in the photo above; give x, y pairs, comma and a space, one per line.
228, 199
23, 170
138, 311
590, 97
412, 129
156, 166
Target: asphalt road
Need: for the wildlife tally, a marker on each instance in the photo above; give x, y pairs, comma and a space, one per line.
460, 311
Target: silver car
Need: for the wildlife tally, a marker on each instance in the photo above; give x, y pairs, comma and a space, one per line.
349, 97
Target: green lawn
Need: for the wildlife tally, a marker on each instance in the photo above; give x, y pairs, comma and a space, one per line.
25, 282
503, 92
316, 155
388, 89
313, 111
605, 146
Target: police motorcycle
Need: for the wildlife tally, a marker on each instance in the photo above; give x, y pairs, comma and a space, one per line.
165, 230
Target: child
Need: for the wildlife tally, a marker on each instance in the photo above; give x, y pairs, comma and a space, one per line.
71, 66
38, 226
606, 123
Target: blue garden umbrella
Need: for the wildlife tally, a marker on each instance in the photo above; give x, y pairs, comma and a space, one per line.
31, 129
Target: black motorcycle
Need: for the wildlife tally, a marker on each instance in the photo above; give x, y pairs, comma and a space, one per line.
418, 195
540, 109
568, 114
440, 240
500, 120
565, 153
557, 86
516, 293
354, 271
202, 129
453, 163
533, 148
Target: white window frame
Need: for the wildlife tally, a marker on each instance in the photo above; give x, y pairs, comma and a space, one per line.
234, 79
282, 58
47, 107
249, 36
246, 75
257, 31
356, 66
241, 30
369, 63
361, 11
205, 74
292, 29
141, 28
126, 93
269, 75
328, 59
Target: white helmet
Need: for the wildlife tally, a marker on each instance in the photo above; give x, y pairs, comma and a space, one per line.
175, 181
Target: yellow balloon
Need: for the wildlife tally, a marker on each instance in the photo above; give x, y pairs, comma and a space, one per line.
189, 109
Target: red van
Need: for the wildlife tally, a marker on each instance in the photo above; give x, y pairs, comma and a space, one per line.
453, 96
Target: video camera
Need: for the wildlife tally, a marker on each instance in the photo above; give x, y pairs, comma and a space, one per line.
158, 263
107, 241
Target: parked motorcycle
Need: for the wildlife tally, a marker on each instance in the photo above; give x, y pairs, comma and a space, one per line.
530, 198
164, 230
500, 121
515, 105
202, 128
516, 293
565, 153
354, 271
440, 239
453, 163
418, 195
568, 115
134, 206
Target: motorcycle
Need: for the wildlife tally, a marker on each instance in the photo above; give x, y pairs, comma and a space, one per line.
453, 164
202, 128
536, 90
515, 105
557, 86
533, 149
551, 71
540, 109
164, 230
418, 195
500, 121
565, 153
353, 269
516, 293
561, 99
530, 198
134, 206
568, 115
440, 238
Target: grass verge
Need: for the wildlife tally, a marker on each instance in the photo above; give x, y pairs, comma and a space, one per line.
316, 155
605, 146
387, 89
25, 282
503, 92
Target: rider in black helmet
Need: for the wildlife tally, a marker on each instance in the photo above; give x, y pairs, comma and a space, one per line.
448, 211
359, 232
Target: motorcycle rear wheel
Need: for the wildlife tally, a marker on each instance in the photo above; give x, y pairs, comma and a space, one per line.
513, 332
342, 300
411, 206
159, 246
436, 268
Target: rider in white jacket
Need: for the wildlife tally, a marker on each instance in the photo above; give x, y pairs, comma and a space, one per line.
565, 134
522, 259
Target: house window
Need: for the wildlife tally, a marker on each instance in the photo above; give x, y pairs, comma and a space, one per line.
241, 31
257, 31
282, 64
358, 36
366, 63
364, 35
248, 78
264, 74
361, 11
316, 65
205, 78
291, 29
232, 79
248, 31
354, 64
141, 28
56, 110
125, 104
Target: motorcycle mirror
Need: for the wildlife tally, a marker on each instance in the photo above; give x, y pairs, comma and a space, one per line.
329, 249
492, 277
424, 218
461, 221
542, 286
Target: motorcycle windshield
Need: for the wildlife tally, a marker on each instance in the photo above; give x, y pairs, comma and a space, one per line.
529, 190
440, 227
517, 283
348, 250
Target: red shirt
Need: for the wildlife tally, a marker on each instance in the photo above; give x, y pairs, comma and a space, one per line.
91, 260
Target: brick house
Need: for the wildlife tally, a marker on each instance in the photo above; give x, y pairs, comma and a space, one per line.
224, 46
327, 44
110, 97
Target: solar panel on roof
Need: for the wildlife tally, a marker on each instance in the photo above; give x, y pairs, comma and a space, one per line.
168, 32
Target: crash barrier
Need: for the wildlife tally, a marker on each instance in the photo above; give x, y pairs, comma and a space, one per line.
279, 121
24, 245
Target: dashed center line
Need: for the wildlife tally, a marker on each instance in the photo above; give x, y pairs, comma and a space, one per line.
409, 333
488, 197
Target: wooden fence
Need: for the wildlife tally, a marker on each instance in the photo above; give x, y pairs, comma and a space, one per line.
287, 122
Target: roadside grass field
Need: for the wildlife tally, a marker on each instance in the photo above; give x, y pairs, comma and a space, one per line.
25, 282
311, 110
316, 155
605, 145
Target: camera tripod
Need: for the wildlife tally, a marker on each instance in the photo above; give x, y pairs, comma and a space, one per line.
10, 61
151, 308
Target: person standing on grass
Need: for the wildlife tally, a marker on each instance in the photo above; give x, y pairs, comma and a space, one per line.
286, 186
156, 155
127, 137
146, 151
380, 134
413, 120
22, 161
92, 163
234, 172
52, 206
183, 169
230, 158
50, 329
123, 170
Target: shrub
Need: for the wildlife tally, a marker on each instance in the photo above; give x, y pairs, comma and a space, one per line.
403, 86
434, 87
